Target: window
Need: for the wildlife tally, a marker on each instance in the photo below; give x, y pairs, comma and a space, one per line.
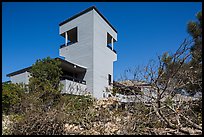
109, 79
110, 41
109, 37
70, 37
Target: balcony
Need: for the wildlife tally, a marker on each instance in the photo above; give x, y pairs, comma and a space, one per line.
68, 44
66, 77
72, 87
111, 49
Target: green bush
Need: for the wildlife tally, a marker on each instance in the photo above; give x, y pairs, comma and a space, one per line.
11, 96
45, 82
45, 75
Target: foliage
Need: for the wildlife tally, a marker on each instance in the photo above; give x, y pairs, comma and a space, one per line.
180, 71
75, 106
195, 30
91, 117
45, 79
70, 109
186, 63
45, 74
11, 96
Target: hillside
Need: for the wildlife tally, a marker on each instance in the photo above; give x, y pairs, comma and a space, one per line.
83, 115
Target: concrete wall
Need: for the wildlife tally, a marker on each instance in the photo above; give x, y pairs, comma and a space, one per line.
102, 55
82, 51
75, 88
91, 50
21, 78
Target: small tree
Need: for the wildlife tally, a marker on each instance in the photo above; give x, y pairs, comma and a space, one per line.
45, 71
190, 72
45, 80
194, 28
181, 70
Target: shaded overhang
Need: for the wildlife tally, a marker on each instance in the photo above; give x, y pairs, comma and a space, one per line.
65, 65
71, 67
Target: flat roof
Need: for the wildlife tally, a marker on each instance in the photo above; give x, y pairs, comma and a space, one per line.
19, 71
85, 11
64, 65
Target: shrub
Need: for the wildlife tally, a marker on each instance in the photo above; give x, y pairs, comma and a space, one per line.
75, 106
41, 123
45, 81
36, 121
11, 96
45, 75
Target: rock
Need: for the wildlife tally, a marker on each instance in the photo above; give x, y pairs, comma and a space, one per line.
69, 129
7, 124
106, 103
118, 119
111, 128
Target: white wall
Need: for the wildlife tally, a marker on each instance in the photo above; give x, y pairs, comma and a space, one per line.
82, 51
91, 50
103, 56
75, 88
21, 78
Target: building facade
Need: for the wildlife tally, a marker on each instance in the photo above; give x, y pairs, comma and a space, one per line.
88, 54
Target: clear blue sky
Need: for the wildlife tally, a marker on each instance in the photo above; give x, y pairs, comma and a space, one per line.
145, 30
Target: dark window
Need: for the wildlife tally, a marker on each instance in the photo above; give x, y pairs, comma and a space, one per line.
109, 79
109, 41
72, 35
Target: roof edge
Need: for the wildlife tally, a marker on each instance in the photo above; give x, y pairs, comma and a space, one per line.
28, 68
18, 71
85, 11
62, 60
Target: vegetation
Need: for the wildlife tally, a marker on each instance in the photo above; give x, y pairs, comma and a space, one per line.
11, 96
186, 63
195, 30
45, 80
172, 73
42, 110
45, 72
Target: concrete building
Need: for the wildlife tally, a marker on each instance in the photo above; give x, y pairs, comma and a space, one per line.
88, 54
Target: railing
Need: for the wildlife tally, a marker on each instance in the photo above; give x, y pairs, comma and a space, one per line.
111, 48
68, 44
73, 79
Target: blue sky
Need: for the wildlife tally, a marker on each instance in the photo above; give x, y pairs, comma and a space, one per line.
30, 31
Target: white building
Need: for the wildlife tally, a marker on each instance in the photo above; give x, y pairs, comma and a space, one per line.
88, 54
